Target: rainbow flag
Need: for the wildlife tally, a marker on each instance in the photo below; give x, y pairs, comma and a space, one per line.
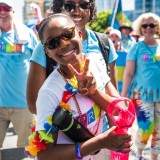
117, 17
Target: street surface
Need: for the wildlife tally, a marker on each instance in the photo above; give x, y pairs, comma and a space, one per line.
10, 152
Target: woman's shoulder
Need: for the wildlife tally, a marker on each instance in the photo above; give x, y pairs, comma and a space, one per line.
137, 45
53, 81
40, 46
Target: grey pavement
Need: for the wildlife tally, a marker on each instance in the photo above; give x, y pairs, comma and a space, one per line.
10, 152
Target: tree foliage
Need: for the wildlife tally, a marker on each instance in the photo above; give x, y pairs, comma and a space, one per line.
102, 21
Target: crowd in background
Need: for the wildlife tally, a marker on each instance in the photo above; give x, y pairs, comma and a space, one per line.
133, 71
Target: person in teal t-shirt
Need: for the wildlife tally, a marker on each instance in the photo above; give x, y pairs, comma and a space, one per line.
127, 41
16, 46
142, 82
82, 14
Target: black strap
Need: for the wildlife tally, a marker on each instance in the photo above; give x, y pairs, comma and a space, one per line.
50, 64
104, 46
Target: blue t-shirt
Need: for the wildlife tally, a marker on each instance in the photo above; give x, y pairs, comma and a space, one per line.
14, 67
147, 74
89, 46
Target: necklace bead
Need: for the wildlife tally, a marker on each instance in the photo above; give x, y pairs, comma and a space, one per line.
77, 104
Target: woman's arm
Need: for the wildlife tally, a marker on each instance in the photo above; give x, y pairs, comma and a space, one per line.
113, 74
87, 86
37, 76
128, 76
108, 140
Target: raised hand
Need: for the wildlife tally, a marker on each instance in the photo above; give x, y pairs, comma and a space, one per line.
85, 79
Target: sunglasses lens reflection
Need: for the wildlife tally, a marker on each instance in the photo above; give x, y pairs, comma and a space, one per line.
55, 42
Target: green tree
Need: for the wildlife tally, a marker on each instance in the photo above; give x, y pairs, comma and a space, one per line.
102, 21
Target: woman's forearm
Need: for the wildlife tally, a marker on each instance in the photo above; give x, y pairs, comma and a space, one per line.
108, 140
128, 76
68, 152
37, 76
127, 80
113, 74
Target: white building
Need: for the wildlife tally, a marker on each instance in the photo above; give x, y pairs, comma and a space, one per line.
104, 5
18, 8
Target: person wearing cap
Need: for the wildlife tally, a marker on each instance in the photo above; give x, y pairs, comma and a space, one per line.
115, 36
16, 45
135, 35
127, 40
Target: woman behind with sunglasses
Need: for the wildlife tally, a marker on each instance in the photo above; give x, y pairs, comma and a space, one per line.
49, 143
82, 12
142, 82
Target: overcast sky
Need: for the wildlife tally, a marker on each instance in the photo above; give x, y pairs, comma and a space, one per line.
128, 4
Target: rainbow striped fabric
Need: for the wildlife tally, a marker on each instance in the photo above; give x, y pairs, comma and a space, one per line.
11, 48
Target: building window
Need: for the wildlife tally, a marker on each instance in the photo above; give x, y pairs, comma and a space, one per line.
148, 6
157, 5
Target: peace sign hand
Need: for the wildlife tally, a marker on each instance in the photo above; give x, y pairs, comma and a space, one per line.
85, 79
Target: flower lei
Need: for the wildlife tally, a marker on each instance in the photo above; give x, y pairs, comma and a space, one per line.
37, 140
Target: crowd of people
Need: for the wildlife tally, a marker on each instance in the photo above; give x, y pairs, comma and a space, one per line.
68, 70
138, 71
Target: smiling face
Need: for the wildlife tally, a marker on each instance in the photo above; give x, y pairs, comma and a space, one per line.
66, 41
115, 38
80, 12
6, 15
150, 30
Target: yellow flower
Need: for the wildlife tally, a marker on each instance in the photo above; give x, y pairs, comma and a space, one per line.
74, 82
65, 106
50, 120
47, 137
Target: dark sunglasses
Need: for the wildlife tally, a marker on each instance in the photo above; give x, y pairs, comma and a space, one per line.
5, 8
55, 42
70, 7
151, 25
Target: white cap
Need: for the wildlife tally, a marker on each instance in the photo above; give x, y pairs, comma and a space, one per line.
7, 2
115, 31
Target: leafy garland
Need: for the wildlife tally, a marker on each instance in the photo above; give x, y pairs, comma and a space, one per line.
37, 140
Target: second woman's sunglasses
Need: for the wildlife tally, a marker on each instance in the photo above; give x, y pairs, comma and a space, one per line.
70, 7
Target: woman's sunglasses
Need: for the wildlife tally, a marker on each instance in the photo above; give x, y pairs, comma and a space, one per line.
5, 8
151, 25
70, 7
55, 42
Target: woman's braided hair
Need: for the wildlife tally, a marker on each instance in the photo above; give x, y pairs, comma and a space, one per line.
41, 27
57, 7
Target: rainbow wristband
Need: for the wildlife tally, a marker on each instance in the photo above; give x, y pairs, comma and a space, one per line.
78, 153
